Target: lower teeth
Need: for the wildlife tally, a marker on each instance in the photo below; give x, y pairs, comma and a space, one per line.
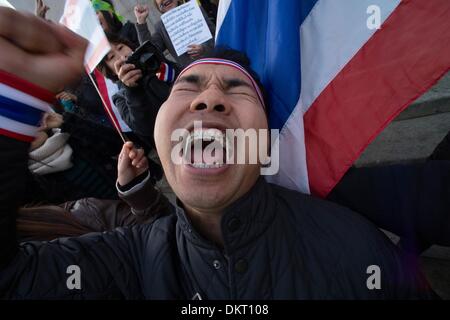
207, 166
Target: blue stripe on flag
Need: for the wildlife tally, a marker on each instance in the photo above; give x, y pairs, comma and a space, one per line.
268, 31
20, 112
170, 73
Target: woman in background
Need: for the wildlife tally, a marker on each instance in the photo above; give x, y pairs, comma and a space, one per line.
160, 38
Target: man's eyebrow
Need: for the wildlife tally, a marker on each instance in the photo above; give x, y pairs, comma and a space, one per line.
192, 78
236, 82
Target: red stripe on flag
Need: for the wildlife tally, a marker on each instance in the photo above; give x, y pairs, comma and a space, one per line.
162, 72
26, 87
104, 91
16, 136
398, 64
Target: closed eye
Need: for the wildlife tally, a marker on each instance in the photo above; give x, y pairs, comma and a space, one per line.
186, 89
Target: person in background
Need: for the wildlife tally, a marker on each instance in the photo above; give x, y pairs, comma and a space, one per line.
79, 217
161, 38
71, 158
83, 95
141, 91
112, 22
211, 8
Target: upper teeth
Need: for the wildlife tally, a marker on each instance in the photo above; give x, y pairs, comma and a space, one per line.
205, 135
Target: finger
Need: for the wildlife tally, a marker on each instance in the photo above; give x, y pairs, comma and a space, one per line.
130, 76
124, 159
13, 59
126, 68
139, 155
127, 77
129, 145
142, 164
132, 154
137, 160
35, 35
117, 65
133, 81
75, 45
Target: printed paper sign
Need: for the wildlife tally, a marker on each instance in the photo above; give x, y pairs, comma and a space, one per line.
186, 25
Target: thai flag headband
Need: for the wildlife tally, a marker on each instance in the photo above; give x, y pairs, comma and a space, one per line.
232, 64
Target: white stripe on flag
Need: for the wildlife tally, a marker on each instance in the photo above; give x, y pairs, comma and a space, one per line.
80, 17
112, 90
18, 127
224, 5
330, 36
96, 40
24, 98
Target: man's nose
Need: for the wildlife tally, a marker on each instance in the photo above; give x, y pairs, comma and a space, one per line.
212, 99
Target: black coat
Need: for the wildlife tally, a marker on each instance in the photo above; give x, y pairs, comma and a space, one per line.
278, 244
410, 200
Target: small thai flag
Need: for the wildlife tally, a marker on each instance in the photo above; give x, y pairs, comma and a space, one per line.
166, 73
22, 105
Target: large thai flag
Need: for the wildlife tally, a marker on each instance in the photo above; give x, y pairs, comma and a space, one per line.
335, 81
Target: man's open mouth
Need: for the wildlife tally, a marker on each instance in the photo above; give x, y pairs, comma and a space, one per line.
206, 148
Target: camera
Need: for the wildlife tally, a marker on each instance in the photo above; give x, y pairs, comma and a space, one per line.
146, 58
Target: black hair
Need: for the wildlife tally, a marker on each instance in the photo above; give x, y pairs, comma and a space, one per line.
102, 66
223, 52
111, 19
113, 22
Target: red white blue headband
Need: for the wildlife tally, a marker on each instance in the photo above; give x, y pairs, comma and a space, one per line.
229, 63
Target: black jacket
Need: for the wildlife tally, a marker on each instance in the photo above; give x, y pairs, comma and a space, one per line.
410, 200
278, 244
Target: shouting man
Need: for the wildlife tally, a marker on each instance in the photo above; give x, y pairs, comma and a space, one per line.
230, 236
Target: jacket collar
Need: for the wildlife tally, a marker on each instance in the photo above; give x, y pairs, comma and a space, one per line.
242, 222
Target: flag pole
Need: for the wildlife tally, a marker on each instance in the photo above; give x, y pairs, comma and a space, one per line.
106, 107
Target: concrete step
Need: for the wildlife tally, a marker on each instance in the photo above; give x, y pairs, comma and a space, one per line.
414, 134
434, 101
406, 140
